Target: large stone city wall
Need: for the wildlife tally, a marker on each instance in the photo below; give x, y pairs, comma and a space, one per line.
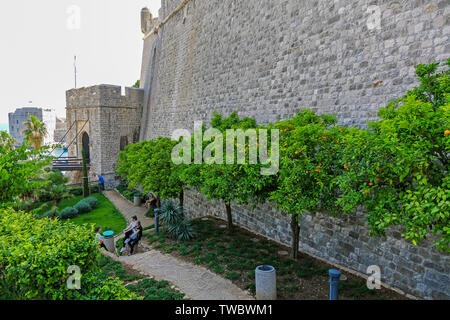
109, 118
269, 59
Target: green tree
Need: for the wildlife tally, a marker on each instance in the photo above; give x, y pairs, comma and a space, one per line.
6, 139
224, 182
86, 189
54, 188
137, 85
398, 169
310, 151
35, 131
20, 169
149, 165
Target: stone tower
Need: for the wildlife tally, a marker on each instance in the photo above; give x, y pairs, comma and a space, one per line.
104, 121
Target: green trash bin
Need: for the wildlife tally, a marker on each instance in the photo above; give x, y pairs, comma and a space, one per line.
108, 240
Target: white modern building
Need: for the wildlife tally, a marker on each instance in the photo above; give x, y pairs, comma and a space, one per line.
22, 115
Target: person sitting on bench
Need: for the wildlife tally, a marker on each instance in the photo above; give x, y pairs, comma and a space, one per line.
129, 230
151, 202
135, 237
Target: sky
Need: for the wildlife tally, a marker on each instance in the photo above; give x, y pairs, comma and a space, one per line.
40, 39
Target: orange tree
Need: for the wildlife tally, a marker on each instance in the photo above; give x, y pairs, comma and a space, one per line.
398, 169
241, 182
310, 153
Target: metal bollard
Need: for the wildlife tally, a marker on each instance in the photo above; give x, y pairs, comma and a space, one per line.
334, 283
156, 220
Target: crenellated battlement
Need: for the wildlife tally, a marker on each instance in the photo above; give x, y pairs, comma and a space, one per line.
105, 96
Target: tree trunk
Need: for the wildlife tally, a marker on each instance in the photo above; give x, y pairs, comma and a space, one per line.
86, 190
229, 216
295, 227
182, 198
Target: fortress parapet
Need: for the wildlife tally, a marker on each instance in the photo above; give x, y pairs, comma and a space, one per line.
104, 96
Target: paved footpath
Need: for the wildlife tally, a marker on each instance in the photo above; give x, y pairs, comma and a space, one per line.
198, 283
127, 209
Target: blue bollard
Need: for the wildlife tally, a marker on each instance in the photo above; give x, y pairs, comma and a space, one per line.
334, 283
156, 220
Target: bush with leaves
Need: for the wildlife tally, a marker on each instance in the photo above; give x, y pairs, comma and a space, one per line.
149, 165
177, 226
182, 230
398, 169
92, 202
20, 169
35, 256
217, 180
68, 213
83, 207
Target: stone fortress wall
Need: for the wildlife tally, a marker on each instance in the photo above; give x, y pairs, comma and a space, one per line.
110, 120
269, 59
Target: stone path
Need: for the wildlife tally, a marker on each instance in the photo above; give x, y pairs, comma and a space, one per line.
127, 209
198, 283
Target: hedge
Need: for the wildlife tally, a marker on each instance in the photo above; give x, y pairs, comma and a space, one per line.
68, 213
35, 256
83, 206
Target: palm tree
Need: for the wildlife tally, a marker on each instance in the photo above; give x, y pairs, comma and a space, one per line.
35, 131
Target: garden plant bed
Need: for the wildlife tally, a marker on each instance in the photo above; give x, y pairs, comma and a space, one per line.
148, 288
236, 254
105, 215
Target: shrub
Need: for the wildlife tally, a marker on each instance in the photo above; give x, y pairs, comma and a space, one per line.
83, 207
50, 213
76, 191
68, 213
171, 214
182, 231
94, 188
92, 201
35, 256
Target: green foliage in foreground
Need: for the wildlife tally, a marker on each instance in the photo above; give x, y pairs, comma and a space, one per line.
36, 254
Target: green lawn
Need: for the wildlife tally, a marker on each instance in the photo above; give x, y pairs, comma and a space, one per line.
105, 215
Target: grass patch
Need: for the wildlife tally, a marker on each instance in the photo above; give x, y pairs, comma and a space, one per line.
105, 215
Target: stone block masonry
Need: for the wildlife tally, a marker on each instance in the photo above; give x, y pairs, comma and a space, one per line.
110, 121
345, 241
268, 59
